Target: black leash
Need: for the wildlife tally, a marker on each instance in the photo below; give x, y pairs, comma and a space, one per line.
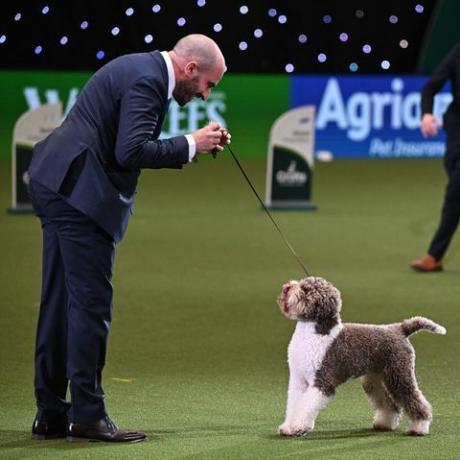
268, 212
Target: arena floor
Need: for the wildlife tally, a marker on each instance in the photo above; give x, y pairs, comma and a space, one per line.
197, 351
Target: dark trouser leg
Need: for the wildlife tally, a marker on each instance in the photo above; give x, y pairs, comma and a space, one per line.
88, 257
450, 214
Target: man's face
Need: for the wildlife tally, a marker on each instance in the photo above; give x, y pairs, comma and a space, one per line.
197, 84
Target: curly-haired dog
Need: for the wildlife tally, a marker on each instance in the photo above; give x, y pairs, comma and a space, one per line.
323, 353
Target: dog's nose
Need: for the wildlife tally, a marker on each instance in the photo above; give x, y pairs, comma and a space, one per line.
286, 288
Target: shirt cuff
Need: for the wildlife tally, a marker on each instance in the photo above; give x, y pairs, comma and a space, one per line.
191, 147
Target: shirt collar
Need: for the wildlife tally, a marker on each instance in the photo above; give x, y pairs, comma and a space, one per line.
171, 76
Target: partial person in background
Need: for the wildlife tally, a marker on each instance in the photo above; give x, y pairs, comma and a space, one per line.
449, 69
83, 179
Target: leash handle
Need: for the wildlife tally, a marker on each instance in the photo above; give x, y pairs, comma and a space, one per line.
299, 260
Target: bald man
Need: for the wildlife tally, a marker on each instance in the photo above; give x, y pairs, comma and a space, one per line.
83, 183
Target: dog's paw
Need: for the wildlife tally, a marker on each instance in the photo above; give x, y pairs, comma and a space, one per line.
293, 430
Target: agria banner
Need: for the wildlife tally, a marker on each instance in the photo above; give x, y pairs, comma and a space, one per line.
369, 116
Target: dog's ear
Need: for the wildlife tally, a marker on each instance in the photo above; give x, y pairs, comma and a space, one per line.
326, 314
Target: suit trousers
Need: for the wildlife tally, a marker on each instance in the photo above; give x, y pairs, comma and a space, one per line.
75, 310
450, 214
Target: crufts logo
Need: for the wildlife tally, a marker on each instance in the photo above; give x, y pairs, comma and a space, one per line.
291, 177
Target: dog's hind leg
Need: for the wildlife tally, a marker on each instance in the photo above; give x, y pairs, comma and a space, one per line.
387, 412
402, 385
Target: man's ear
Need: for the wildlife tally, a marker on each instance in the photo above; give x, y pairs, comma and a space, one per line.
191, 68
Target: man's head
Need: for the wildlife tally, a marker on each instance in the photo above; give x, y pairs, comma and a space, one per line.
198, 66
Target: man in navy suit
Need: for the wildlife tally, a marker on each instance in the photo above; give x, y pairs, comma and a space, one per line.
83, 183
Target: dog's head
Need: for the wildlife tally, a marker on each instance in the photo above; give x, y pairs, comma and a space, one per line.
311, 299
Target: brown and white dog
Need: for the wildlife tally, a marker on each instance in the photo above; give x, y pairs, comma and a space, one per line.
323, 353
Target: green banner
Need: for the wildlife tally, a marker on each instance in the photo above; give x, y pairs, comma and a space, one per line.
246, 104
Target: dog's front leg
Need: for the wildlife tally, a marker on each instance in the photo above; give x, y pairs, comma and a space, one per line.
296, 391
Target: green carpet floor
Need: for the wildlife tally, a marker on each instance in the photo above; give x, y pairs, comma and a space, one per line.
197, 351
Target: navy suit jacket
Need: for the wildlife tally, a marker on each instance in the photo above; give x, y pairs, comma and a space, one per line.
110, 134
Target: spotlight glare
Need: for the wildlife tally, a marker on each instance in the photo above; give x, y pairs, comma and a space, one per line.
84, 25
367, 49
115, 31
18, 17
385, 64
327, 19
353, 67
201, 3
272, 12
129, 11
244, 9
148, 38
38, 49
217, 27
359, 14
64, 40
156, 8
100, 54
258, 33
289, 68
343, 37
393, 19
403, 43
181, 22
302, 38
419, 8
282, 19
322, 57
2, 39
243, 46
45, 9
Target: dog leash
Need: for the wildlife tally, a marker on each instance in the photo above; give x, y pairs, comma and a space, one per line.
299, 260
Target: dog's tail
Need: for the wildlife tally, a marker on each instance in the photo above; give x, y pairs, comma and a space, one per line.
417, 323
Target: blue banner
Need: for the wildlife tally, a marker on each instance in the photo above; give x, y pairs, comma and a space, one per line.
369, 116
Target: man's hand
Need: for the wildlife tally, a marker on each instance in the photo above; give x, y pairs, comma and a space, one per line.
429, 125
211, 138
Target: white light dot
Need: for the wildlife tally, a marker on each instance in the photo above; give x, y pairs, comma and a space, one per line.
385, 65
45, 9
282, 19
393, 19
217, 27
38, 49
302, 38
327, 19
419, 8
272, 12
367, 48
181, 22
243, 46
156, 8
201, 3
64, 40
115, 31
353, 67
18, 17
2, 39
359, 14
244, 9
322, 57
129, 11
289, 68
84, 25
148, 38
343, 37
258, 33
403, 43
100, 54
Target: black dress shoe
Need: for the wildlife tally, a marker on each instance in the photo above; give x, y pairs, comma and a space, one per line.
49, 429
101, 430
